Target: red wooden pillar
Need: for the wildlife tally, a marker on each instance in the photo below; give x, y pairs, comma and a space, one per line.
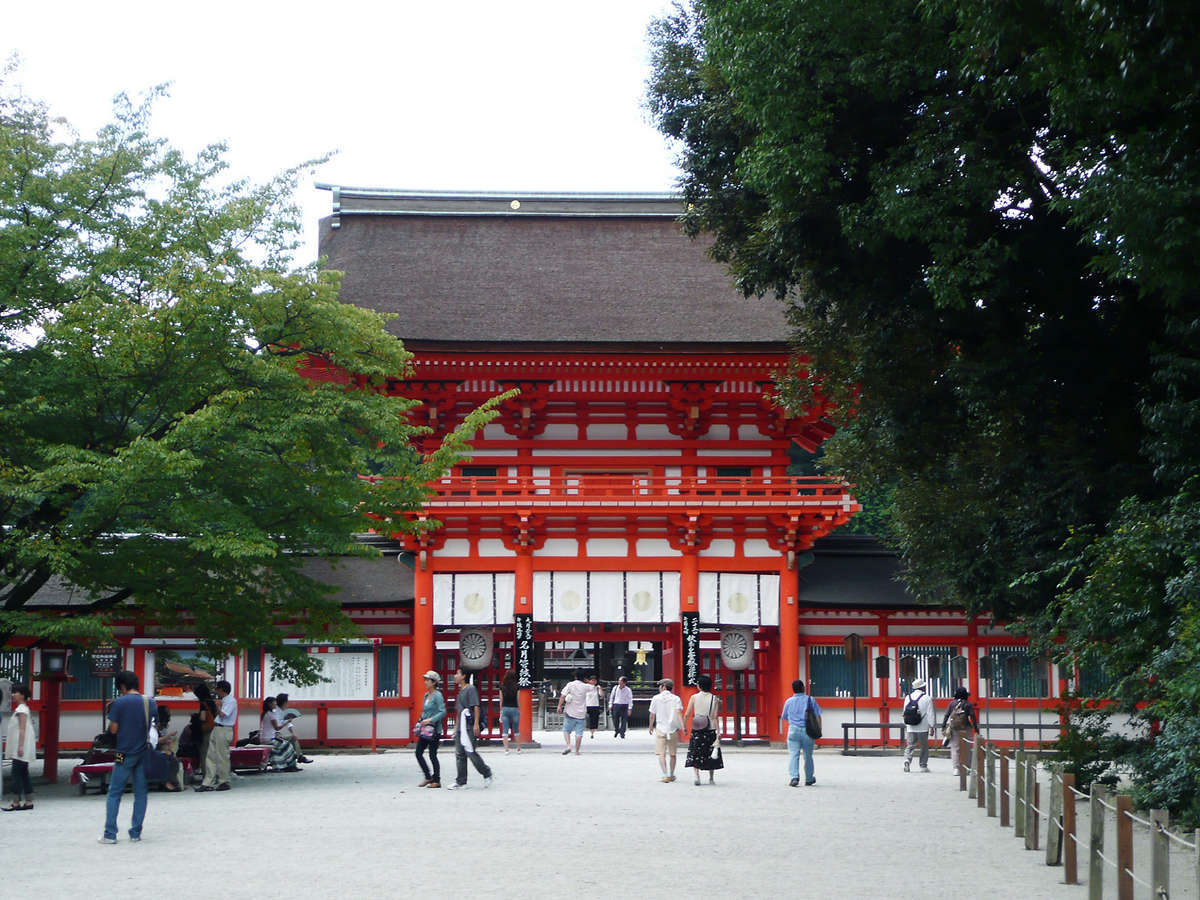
422, 638
51, 694
788, 654
524, 604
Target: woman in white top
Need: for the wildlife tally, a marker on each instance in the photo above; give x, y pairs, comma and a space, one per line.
21, 749
591, 699
701, 717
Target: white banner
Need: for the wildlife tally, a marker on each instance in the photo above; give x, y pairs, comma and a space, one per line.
581, 597
473, 598
739, 598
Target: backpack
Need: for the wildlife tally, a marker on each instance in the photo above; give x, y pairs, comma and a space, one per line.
960, 718
912, 710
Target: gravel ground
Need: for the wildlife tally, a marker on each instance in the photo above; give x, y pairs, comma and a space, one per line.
597, 824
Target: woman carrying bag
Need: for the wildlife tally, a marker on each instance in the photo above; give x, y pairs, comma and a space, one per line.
704, 747
428, 730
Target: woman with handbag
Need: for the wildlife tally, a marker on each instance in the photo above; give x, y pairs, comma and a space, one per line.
208, 719
428, 730
704, 746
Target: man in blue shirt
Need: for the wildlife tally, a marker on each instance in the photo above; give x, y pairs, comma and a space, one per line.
129, 719
794, 711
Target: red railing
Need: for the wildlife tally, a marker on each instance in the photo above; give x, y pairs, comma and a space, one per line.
641, 492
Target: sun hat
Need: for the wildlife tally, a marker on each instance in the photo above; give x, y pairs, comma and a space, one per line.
919, 684
432, 676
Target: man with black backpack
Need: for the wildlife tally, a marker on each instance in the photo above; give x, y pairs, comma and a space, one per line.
918, 722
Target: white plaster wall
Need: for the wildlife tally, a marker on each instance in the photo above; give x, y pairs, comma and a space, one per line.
608, 547
494, 547
607, 432
77, 726
716, 433
653, 433
560, 431
758, 547
839, 630
391, 723
456, 547
348, 723
758, 453
656, 547
559, 547
720, 548
495, 432
940, 630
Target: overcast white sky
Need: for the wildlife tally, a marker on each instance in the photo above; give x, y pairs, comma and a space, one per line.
534, 95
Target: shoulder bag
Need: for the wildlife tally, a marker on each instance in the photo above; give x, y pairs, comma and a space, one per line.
812, 724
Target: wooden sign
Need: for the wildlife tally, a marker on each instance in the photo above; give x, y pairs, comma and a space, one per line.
106, 660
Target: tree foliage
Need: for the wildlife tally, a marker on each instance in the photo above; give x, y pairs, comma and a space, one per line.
983, 219
161, 449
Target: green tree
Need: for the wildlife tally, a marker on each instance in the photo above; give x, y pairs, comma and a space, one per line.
162, 447
983, 218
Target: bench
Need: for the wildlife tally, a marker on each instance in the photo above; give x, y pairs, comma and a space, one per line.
884, 727
98, 772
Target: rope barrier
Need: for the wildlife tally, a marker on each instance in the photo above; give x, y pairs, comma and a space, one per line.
1106, 859
1144, 884
1075, 838
1134, 818
1189, 845
1079, 794
1107, 806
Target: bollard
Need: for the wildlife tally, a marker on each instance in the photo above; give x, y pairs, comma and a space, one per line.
1070, 859
979, 775
1160, 854
964, 762
1035, 827
1054, 825
1095, 864
1004, 789
991, 781
1124, 848
1019, 796
972, 768
1030, 803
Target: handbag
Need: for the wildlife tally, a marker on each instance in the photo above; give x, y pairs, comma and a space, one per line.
703, 723
812, 725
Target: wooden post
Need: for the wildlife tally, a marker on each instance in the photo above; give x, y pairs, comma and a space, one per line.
1054, 825
1036, 826
1019, 796
1004, 788
1070, 858
991, 782
1030, 807
1096, 847
1196, 861
1160, 854
1124, 848
964, 762
979, 774
972, 770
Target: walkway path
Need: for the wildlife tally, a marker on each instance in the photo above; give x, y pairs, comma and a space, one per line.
600, 824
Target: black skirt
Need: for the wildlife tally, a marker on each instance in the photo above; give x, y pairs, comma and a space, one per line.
700, 748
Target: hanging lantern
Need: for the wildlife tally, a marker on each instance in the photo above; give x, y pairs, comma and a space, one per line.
475, 647
737, 648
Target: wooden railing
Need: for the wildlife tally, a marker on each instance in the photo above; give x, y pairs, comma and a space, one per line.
641, 492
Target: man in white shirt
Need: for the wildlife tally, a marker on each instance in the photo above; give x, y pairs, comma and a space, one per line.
620, 702
572, 703
917, 730
666, 721
216, 764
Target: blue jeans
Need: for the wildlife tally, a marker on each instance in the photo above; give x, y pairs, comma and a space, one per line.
134, 765
798, 740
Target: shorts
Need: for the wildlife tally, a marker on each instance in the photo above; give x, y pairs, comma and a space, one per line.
510, 719
570, 723
666, 743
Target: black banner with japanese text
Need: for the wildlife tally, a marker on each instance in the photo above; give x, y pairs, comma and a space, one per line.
691, 647
523, 642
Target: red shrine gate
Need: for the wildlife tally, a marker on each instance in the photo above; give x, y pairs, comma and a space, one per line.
621, 497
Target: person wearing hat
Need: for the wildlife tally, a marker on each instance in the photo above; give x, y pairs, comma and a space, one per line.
428, 729
918, 722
